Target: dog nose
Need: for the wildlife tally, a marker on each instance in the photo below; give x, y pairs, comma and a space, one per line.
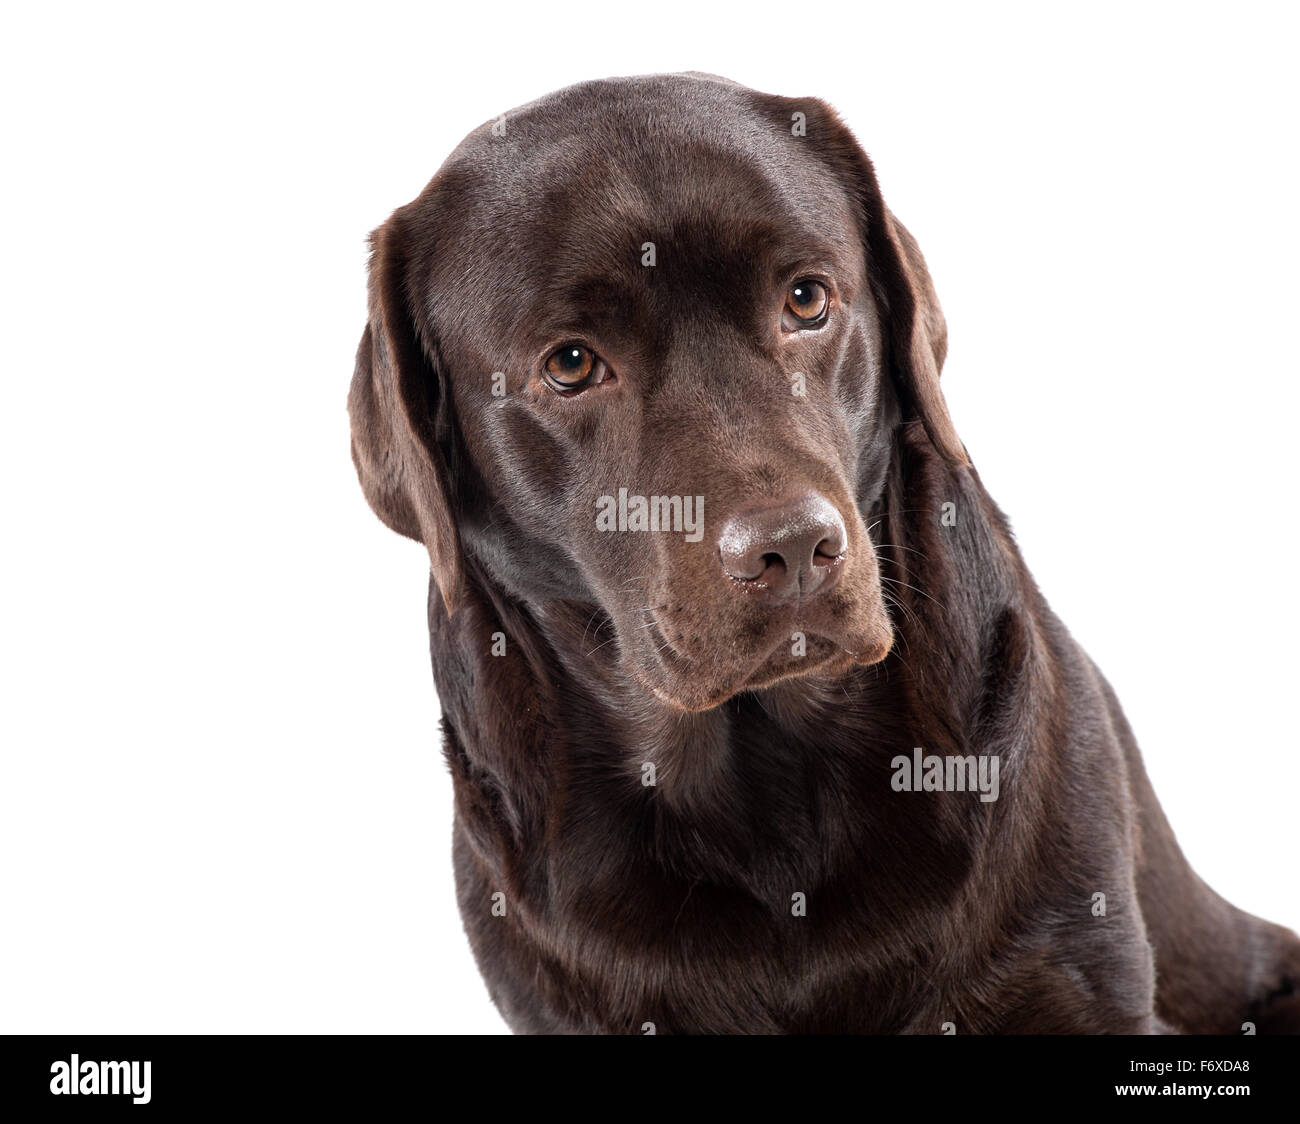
786, 551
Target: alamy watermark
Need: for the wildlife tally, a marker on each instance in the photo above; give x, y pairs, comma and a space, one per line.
924, 772
679, 514
90, 1078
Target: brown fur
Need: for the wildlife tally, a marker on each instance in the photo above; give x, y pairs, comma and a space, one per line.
625, 903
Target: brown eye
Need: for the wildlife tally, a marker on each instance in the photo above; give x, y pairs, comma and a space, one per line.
574, 367
805, 304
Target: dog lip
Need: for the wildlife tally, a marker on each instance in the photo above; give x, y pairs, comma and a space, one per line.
758, 674
675, 660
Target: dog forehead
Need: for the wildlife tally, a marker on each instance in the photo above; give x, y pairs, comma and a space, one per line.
665, 149
587, 179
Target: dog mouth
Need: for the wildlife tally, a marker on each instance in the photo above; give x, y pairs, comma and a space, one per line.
664, 650
702, 681
696, 635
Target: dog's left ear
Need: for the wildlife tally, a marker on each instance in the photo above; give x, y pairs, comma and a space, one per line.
918, 333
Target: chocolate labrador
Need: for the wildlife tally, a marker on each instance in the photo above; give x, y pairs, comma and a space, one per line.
757, 721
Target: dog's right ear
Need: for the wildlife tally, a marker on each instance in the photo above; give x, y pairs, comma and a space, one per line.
393, 404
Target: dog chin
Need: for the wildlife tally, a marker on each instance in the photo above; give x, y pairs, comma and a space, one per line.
681, 690
823, 655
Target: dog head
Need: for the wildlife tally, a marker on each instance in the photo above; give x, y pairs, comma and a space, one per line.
643, 345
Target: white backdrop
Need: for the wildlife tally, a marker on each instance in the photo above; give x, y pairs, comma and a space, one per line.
222, 802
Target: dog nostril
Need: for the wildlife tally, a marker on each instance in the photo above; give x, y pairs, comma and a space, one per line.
827, 551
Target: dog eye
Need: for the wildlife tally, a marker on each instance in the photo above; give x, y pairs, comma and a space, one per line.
574, 367
806, 303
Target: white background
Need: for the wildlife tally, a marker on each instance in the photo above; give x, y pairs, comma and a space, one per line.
222, 804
